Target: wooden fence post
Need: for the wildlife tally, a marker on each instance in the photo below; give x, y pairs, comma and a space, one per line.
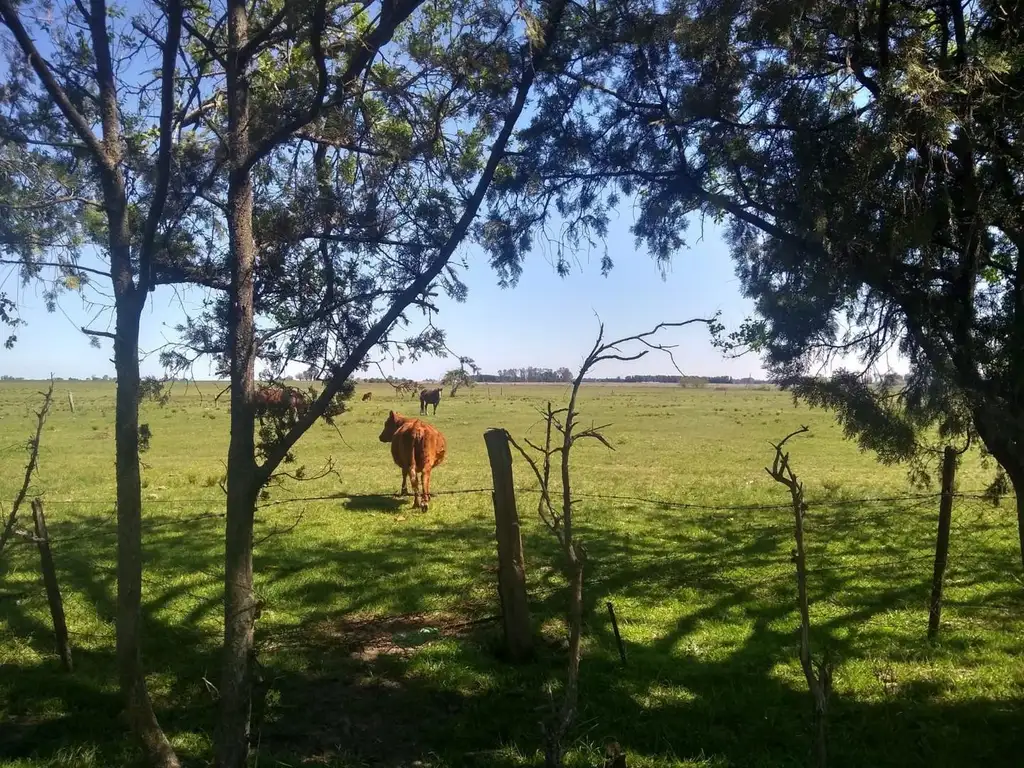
60, 627
949, 458
515, 609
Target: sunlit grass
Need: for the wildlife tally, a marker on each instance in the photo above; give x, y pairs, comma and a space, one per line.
704, 597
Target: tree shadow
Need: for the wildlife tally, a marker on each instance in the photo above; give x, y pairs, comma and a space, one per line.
403, 674
376, 503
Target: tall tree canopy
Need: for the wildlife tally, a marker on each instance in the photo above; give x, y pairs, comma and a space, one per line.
867, 157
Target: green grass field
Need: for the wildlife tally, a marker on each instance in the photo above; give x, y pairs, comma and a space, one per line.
366, 650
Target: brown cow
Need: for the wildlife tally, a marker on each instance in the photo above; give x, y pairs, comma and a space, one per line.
417, 447
278, 398
367, 396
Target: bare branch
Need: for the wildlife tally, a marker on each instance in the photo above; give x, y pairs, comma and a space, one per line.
211, 49
275, 531
819, 677
70, 267
103, 334
30, 467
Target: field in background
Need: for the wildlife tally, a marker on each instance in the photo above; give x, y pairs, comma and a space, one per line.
369, 645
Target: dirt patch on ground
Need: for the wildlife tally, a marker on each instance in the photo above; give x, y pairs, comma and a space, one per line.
354, 700
364, 638
367, 638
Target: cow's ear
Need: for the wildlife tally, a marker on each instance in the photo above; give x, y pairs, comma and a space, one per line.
391, 415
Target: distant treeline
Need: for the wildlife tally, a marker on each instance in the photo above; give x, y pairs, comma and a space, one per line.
550, 375
564, 375
60, 378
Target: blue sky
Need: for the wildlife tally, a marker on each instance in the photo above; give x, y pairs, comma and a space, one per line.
545, 321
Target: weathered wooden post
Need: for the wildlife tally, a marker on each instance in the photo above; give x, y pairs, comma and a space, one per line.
949, 457
60, 627
515, 609
71, 401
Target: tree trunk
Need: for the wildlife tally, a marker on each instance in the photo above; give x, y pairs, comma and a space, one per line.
240, 605
240, 608
1020, 522
949, 460
157, 748
1015, 471
1017, 479
242, 490
997, 431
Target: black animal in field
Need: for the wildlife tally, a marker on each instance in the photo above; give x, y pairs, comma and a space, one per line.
429, 397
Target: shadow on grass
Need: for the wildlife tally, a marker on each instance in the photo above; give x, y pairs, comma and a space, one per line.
424, 684
376, 503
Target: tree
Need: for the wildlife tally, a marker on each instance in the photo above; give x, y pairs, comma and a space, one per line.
867, 158
85, 169
459, 377
455, 379
352, 178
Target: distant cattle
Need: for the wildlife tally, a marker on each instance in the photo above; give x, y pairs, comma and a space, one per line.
417, 447
278, 399
367, 396
429, 397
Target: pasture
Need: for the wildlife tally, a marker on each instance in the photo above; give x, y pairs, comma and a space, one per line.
372, 644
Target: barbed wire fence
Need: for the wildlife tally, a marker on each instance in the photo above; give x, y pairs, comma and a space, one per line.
861, 551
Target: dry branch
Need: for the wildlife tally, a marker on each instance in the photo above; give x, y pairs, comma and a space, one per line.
818, 675
30, 468
558, 518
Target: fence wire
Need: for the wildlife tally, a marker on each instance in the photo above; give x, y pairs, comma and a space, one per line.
864, 554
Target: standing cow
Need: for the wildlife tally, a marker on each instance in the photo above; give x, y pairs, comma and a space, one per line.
417, 447
429, 397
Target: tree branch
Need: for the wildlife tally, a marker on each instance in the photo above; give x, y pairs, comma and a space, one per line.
258, 39
163, 161
33, 462
103, 334
57, 265
409, 294
79, 123
367, 51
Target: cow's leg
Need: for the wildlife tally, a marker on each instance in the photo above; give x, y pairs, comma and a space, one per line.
426, 485
415, 488
405, 490
424, 493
